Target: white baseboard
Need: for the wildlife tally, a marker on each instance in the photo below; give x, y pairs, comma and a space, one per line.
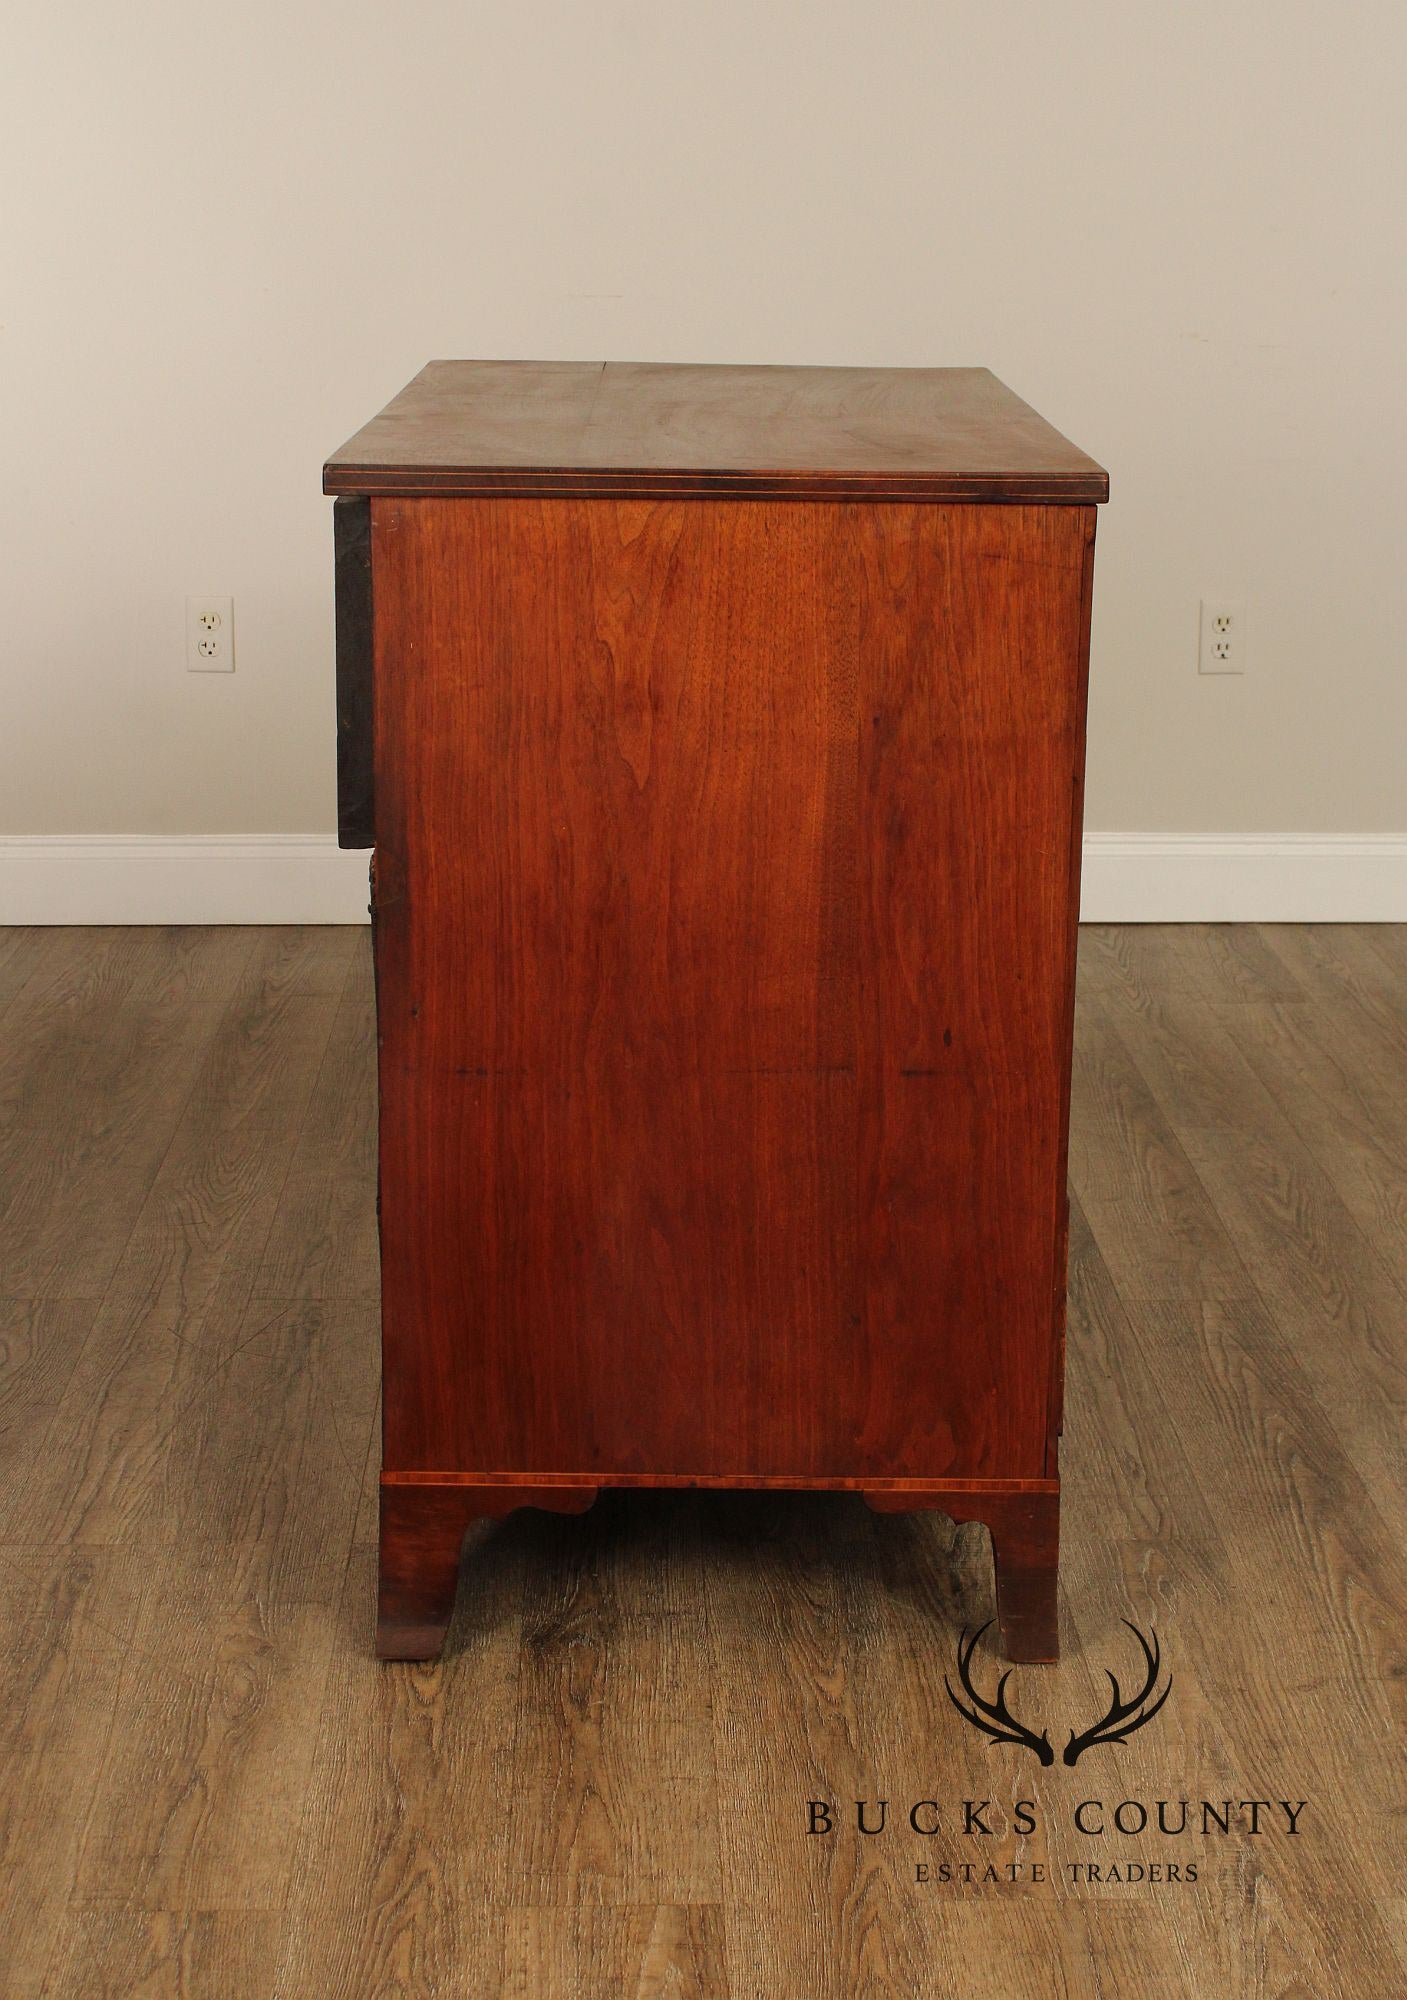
215, 878
296, 878
1244, 878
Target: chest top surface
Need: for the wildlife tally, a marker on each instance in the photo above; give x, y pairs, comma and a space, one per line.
668, 428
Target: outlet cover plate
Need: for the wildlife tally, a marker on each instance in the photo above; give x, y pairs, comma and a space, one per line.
1221, 644
210, 635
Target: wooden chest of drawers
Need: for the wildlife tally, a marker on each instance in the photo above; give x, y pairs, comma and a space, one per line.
719, 732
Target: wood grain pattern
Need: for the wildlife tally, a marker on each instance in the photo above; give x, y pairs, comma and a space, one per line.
94, 1075
109, 1954
210, 1788
378, 1894
724, 965
1025, 1530
68, 1618
620, 1768
1273, 1207
195, 1802
1158, 1231
422, 1530
40, 1342
322, 1242
642, 1953
639, 428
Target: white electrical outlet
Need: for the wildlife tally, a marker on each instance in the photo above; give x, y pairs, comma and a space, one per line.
210, 635
1222, 646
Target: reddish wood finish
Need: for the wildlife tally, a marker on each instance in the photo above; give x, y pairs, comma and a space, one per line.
1025, 1529
424, 1519
913, 1492
727, 868
723, 965
422, 1532
662, 428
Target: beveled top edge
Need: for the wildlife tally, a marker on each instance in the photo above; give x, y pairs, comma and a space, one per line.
682, 429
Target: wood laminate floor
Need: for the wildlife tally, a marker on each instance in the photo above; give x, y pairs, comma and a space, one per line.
208, 1786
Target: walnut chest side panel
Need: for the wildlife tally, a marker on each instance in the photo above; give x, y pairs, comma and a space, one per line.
726, 864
